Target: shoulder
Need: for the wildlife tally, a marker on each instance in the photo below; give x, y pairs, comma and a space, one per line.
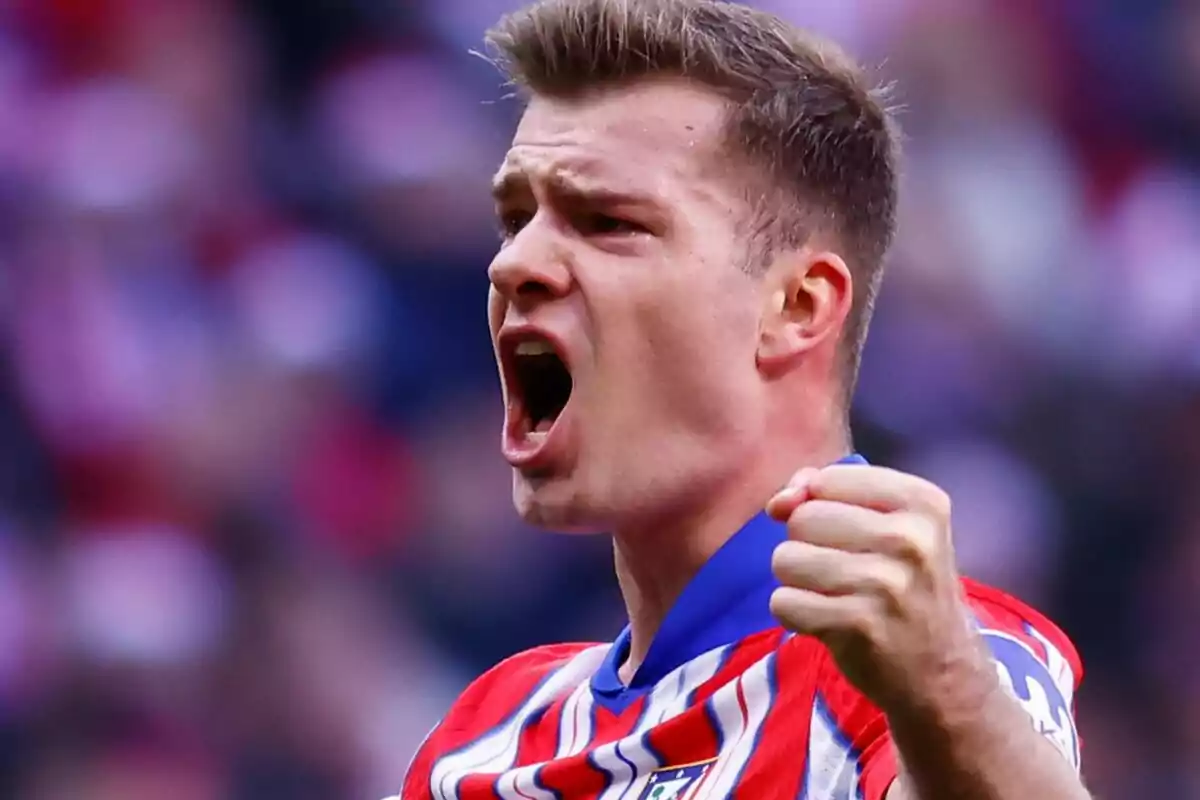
1036, 662
516, 680
534, 677
527, 667
1010, 625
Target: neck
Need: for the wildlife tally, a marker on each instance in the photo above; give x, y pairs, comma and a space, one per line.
656, 560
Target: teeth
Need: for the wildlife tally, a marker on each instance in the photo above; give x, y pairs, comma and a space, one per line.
534, 348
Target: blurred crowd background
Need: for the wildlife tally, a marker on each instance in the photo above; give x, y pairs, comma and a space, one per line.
255, 533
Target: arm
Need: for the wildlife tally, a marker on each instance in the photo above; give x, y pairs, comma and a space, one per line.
978, 744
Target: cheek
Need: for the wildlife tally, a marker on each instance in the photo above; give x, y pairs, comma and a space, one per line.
701, 321
699, 346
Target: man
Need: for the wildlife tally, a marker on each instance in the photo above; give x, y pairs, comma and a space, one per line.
695, 209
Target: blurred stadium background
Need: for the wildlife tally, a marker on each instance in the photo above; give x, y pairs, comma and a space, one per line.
254, 531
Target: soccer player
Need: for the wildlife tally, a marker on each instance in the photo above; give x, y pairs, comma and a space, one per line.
696, 207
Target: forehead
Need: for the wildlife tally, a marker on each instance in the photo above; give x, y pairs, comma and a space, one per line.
647, 136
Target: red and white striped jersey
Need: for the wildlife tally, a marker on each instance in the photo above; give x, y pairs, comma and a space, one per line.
726, 705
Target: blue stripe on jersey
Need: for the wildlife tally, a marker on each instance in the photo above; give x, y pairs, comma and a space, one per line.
773, 690
633, 770
541, 784
841, 767
728, 600
649, 747
726, 654
499, 727
604, 773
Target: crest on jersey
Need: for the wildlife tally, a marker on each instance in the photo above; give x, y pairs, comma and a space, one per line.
675, 783
1026, 678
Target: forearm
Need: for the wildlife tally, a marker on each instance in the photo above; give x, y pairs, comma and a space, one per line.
978, 744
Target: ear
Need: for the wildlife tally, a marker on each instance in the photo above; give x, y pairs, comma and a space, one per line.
808, 297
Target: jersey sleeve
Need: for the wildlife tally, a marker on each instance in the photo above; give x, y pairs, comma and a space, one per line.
416, 777
850, 749
1036, 662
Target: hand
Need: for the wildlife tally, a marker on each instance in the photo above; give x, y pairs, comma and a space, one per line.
869, 569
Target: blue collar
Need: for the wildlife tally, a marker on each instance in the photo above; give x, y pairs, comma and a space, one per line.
726, 601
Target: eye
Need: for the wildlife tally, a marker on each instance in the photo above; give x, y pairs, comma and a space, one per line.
597, 224
512, 222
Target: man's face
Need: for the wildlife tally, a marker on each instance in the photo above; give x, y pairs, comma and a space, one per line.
624, 325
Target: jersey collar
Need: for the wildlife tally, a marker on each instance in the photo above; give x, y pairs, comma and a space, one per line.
726, 601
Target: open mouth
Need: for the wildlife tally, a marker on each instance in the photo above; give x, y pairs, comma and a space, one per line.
541, 383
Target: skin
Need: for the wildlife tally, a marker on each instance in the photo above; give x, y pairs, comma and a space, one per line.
648, 297
699, 391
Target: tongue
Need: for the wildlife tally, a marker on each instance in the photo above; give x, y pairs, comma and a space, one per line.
543, 425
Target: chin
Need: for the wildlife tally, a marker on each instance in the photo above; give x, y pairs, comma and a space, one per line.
555, 504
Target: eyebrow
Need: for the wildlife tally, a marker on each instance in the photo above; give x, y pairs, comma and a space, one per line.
509, 184
506, 184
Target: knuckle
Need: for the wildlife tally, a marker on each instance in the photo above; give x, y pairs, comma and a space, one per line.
863, 623
891, 582
915, 539
896, 542
937, 500
819, 480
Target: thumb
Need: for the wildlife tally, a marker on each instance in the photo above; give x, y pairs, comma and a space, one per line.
789, 498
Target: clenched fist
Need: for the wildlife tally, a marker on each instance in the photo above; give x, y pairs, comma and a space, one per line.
869, 569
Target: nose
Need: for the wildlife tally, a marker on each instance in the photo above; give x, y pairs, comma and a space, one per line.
531, 269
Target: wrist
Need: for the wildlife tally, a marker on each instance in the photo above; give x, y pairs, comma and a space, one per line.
960, 735
951, 695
